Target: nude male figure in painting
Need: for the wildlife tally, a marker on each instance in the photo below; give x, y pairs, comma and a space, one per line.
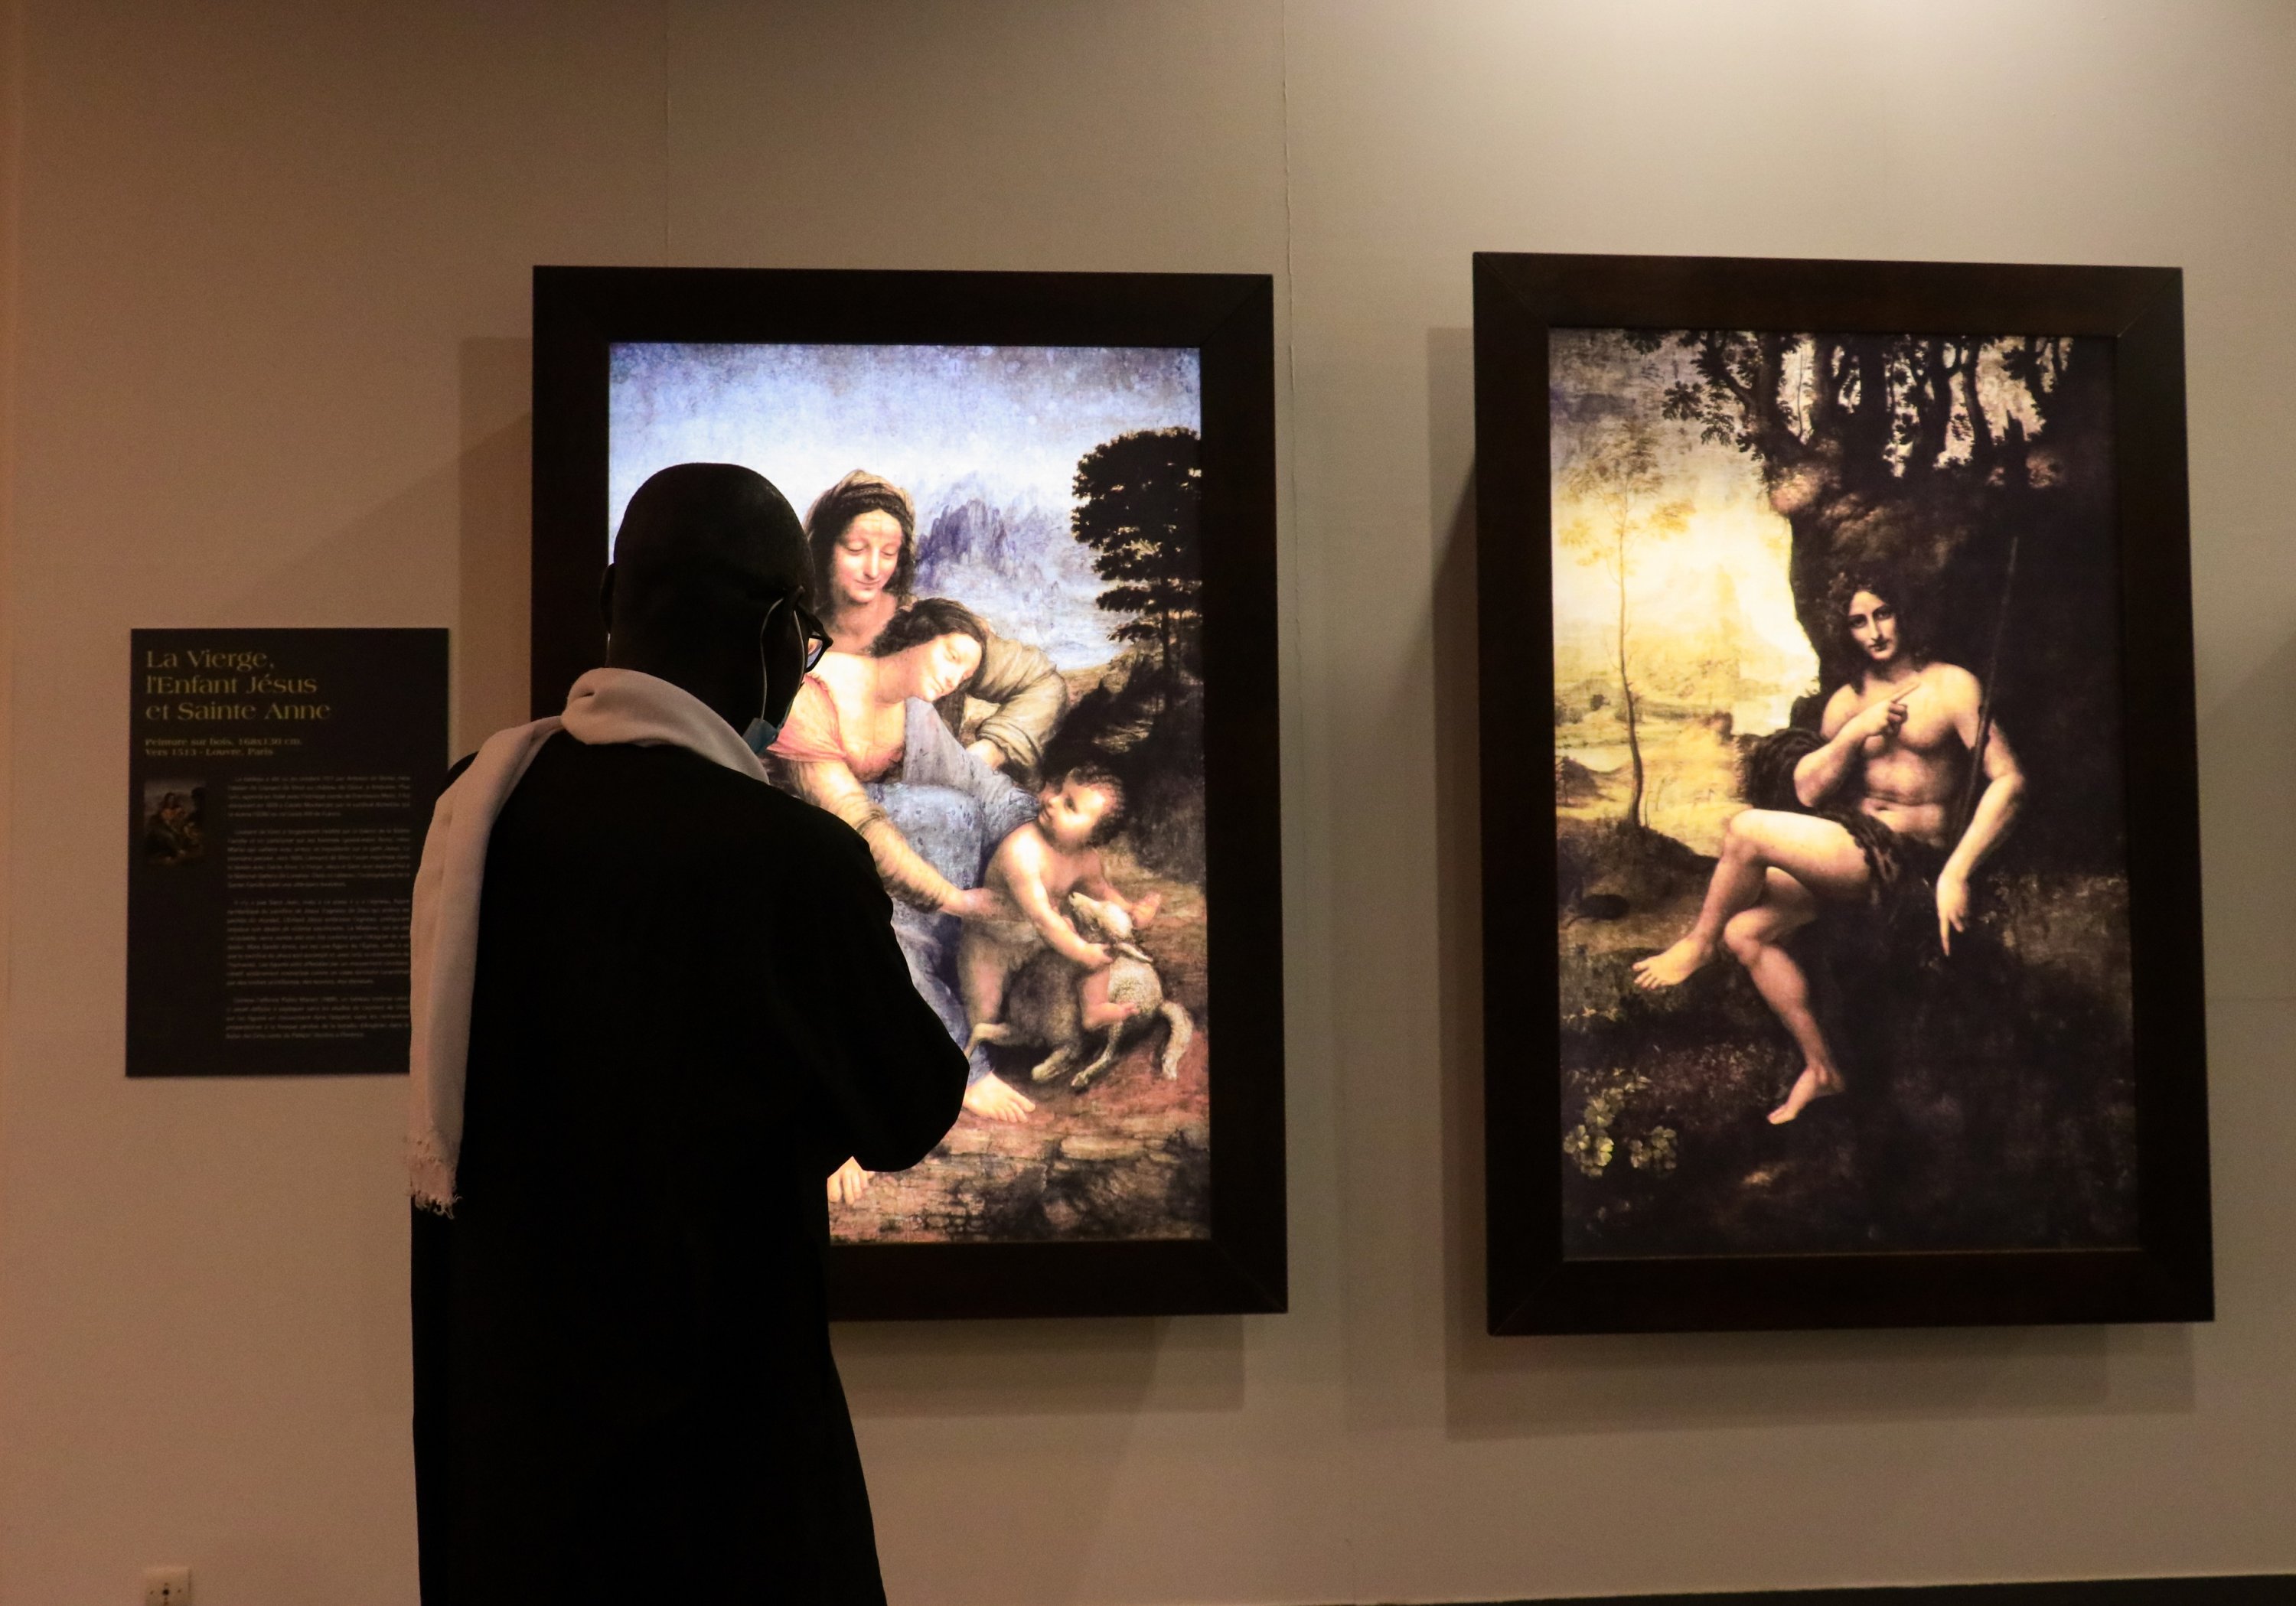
1897, 739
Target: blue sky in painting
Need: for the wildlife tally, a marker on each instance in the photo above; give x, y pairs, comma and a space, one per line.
951, 425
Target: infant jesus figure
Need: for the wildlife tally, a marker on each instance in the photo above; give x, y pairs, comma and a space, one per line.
1032, 873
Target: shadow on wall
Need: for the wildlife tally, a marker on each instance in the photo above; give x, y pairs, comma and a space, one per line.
1049, 1405
336, 578
2248, 772
494, 500
1524, 1387
483, 496
1117, 1366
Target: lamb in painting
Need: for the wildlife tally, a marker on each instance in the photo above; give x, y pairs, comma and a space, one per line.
1044, 1005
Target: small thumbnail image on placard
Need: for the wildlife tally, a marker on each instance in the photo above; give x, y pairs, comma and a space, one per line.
175, 831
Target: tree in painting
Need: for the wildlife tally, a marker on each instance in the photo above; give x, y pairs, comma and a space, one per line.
1137, 500
1619, 475
1906, 447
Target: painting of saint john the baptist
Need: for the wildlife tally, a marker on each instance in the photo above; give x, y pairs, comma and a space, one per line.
1840, 866
1893, 746
1010, 717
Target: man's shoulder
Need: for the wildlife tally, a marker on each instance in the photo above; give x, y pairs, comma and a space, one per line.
703, 797
1952, 681
778, 826
761, 812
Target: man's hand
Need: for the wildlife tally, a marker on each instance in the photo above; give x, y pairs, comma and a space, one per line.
1883, 720
1953, 908
847, 1183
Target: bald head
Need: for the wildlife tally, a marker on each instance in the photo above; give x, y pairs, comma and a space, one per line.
704, 550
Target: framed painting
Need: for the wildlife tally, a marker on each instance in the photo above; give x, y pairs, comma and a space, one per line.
1064, 484
1837, 700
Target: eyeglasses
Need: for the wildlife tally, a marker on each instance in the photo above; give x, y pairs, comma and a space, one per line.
811, 632
815, 634
787, 623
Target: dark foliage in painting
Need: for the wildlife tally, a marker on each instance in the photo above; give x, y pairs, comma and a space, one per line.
1990, 1105
1140, 495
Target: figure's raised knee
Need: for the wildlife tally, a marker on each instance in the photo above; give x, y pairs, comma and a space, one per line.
1751, 835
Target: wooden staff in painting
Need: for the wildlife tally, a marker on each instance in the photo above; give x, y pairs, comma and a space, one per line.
1961, 815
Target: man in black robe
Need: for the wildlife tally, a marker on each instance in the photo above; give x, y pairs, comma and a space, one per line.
688, 1009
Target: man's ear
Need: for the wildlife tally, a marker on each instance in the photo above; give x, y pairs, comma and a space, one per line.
606, 599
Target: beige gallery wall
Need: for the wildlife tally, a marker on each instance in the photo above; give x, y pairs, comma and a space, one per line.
265, 274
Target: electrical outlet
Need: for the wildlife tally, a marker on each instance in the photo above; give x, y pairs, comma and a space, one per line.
166, 1586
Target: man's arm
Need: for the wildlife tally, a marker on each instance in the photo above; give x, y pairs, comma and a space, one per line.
1020, 867
1820, 773
1996, 806
887, 1078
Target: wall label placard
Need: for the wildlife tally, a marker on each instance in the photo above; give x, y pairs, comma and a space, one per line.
279, 785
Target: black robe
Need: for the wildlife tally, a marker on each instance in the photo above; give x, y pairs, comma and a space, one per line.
689, 1009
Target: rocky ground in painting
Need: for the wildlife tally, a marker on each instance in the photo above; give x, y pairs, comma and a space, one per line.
1130, 1157
1991, 1103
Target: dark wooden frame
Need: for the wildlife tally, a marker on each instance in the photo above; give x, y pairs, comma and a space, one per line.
1229, 318
1532, 1287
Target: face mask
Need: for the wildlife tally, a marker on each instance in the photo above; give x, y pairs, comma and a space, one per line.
802, 641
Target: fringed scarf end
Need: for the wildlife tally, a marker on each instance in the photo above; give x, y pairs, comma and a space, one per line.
430, 1177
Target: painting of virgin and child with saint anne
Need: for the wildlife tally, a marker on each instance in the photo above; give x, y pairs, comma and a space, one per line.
1010, 715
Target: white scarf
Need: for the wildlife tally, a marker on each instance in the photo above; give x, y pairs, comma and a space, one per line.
605, 706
